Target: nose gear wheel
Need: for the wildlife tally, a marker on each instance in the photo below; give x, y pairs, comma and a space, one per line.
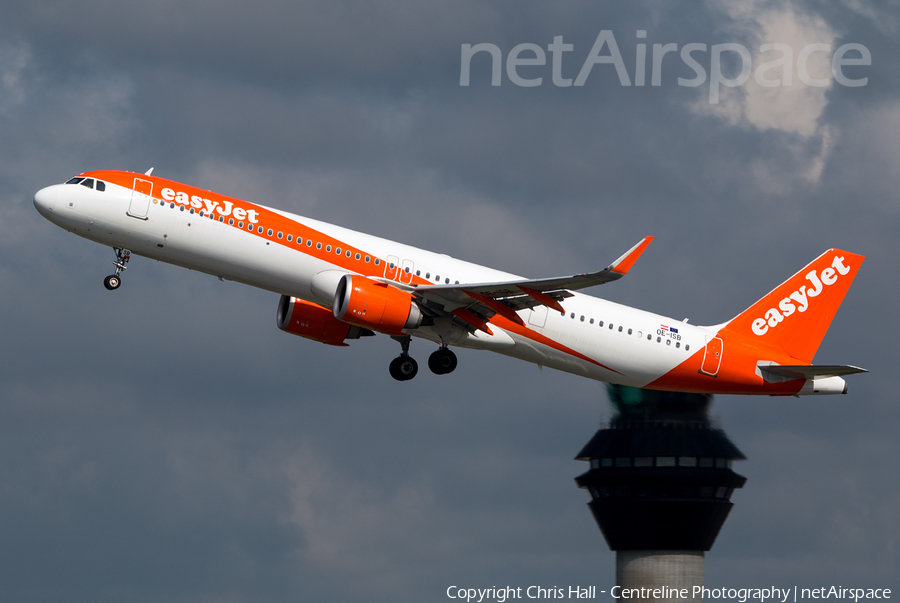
113, 281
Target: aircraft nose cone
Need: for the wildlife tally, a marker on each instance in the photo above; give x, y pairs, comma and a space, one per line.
45, 200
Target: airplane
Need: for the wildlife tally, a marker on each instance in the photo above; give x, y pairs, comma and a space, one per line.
337, 285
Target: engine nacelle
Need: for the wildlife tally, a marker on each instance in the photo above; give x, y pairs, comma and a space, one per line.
375, 305
312, 321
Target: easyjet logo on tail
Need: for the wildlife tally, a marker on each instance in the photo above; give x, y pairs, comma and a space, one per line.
799, 300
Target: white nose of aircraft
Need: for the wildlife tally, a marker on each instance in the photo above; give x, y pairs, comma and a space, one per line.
45, 200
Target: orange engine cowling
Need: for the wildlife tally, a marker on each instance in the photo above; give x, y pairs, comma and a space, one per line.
314, 322
375, 305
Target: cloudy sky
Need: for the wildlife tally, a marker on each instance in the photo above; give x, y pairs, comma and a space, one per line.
167, 443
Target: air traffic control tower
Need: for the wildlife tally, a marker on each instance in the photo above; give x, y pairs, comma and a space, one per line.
660, 484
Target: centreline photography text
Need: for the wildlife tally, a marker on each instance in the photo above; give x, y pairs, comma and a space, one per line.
741, 595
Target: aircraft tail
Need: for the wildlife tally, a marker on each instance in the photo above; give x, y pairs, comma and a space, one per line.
797, 313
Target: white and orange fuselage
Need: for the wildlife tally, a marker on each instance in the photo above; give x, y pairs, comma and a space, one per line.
337, 282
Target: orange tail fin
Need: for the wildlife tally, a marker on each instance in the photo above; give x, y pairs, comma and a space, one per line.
797, 313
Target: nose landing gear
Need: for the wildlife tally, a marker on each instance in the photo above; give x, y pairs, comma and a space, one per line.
442, 361
113, 281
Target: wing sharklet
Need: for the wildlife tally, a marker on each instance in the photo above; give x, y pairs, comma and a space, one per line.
624, 263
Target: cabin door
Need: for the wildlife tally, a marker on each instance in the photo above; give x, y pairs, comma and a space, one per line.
140, 199
712, 360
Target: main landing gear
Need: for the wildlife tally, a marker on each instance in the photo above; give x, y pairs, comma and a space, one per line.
404, 367
442, 361
113, 281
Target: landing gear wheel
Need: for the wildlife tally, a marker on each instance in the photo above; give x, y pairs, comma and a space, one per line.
112, 282
442, 361
404, 368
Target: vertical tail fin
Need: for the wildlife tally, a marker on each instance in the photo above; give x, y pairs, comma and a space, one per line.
797, 313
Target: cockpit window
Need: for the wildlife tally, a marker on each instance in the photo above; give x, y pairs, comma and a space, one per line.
88, 182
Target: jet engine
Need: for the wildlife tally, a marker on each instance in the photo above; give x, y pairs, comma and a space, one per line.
312, 321
375, 305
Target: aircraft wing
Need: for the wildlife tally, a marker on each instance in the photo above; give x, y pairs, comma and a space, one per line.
477, 303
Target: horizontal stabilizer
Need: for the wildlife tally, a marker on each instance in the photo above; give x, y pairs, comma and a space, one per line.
807, 371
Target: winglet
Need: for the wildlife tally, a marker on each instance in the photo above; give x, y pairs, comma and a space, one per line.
624, 263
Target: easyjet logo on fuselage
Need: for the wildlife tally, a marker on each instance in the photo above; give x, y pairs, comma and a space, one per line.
802, 296
223, 208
